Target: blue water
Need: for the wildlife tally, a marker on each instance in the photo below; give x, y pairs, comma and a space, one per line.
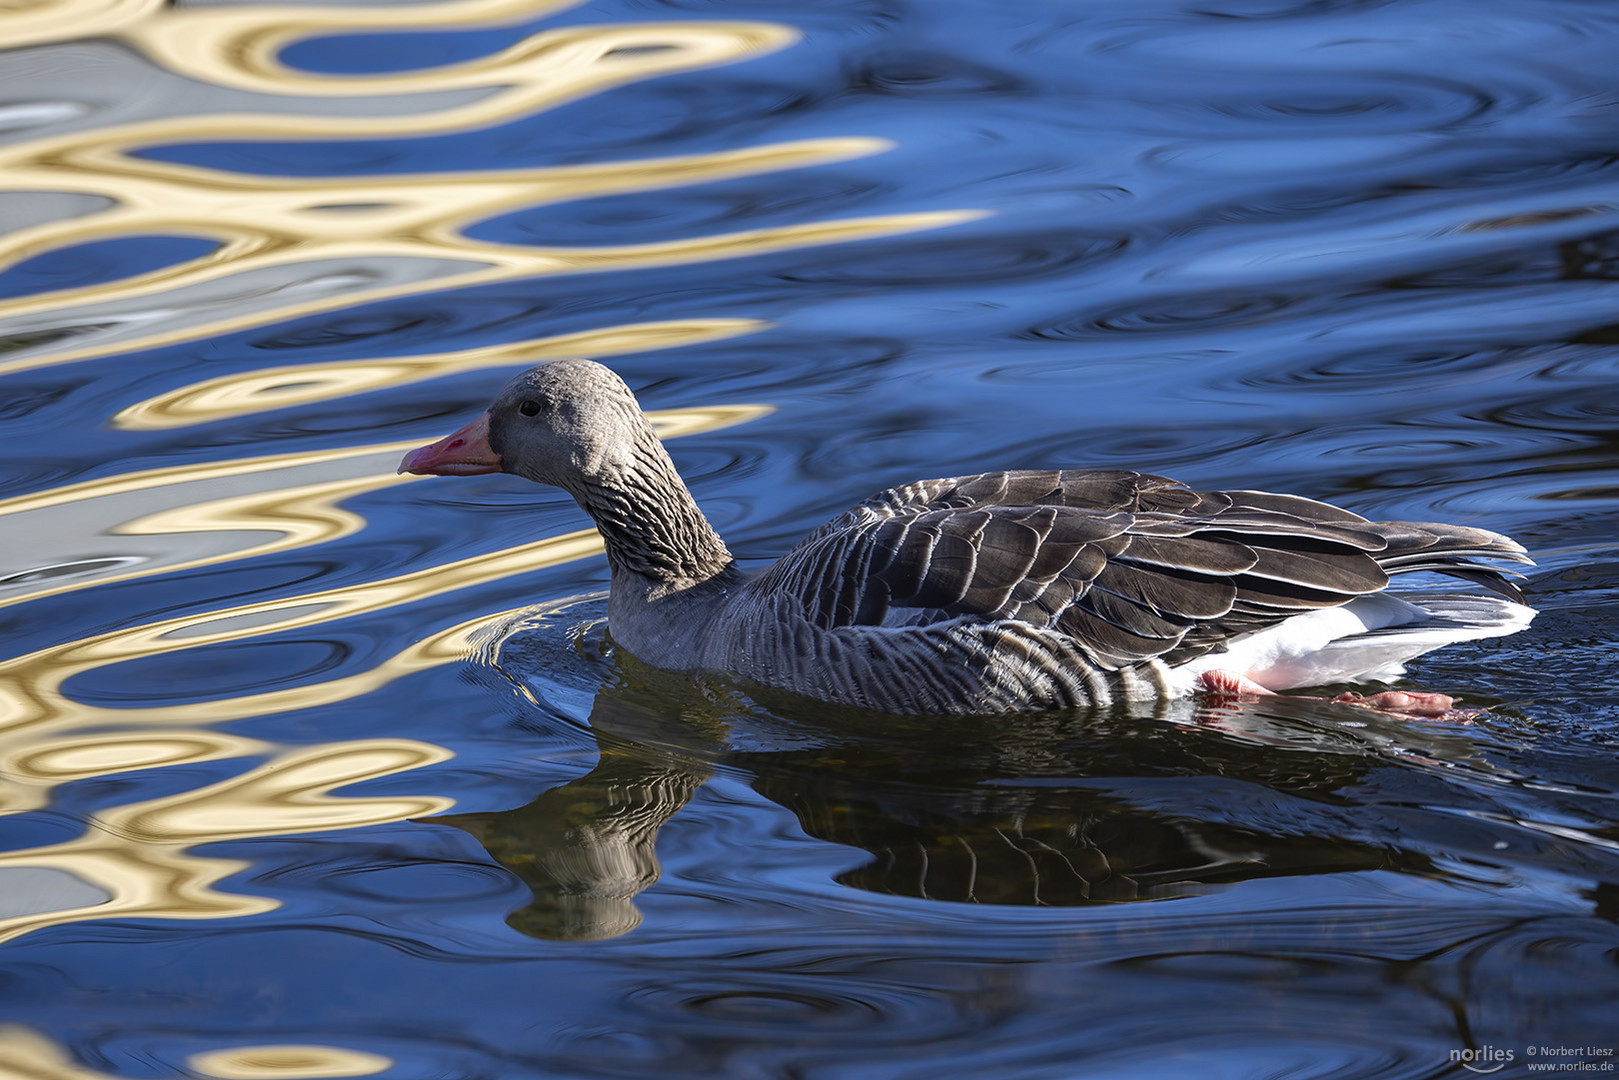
1366, 252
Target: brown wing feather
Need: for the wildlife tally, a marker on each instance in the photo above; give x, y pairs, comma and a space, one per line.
1130, 566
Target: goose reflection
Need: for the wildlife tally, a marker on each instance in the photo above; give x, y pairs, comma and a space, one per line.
586, 847
1076, 808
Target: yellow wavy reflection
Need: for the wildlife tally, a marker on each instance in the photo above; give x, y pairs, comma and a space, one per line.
291, 794
31, 770
288, 247
294, 229
27, 1055
138, 853
33, 702
256, 235
303, 384
31, 691
278, 221
287, 1062
293, 516
61, 20
240, 46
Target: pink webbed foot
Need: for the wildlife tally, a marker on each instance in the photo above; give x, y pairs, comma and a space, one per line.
1403, 703
1406, 703
1231, 684
1400, 701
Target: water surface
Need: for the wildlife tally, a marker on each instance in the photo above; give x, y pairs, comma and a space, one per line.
311, 770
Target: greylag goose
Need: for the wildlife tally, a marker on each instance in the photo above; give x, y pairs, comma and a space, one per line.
1006, 591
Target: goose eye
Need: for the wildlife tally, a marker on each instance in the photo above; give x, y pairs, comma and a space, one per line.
529, 408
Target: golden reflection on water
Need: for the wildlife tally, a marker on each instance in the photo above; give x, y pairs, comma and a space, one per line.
31, 691
27, 1055
282, 237
31, 685
304, 384
296, 239
137, 855
287, 1063
32, 769
199, 528
109, 79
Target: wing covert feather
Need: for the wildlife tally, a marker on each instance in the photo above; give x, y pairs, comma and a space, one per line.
1129, 566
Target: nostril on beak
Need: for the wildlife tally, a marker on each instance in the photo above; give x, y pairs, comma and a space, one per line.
460, 453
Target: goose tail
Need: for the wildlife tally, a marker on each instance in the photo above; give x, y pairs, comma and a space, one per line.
1454, 550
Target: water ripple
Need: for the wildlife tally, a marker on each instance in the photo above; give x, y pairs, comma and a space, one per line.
1360, 250
1172, 314
999, 259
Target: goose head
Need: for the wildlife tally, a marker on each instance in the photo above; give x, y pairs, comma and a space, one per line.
567, 423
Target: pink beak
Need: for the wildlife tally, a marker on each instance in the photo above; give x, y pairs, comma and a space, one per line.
464, 453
